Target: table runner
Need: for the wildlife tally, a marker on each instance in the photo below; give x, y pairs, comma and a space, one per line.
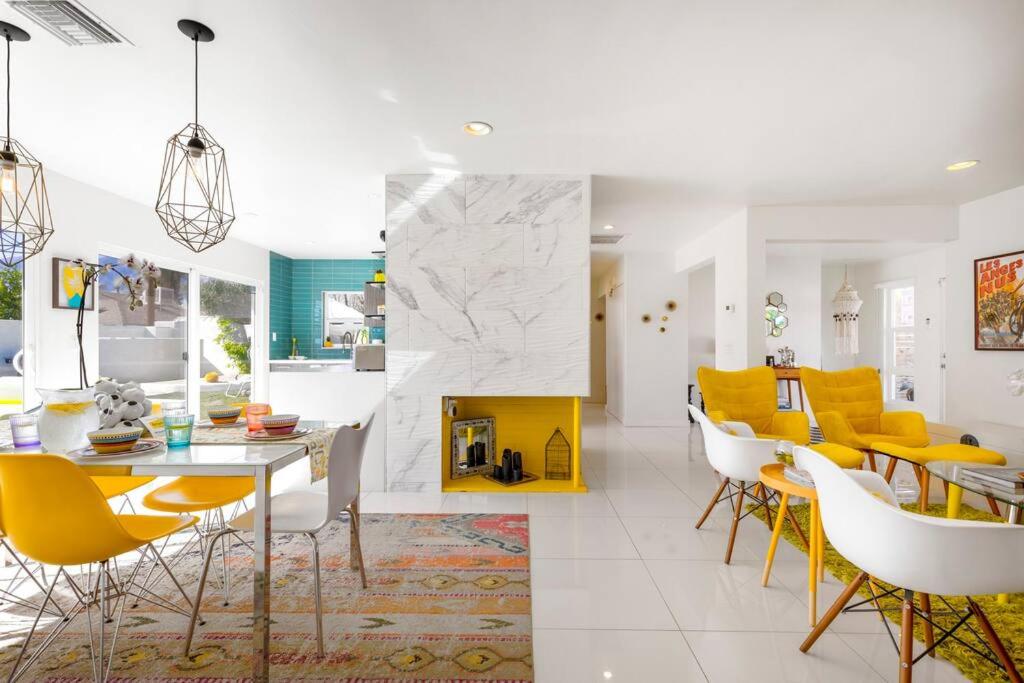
317, 442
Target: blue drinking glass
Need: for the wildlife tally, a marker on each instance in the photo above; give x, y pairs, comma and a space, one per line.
178, 429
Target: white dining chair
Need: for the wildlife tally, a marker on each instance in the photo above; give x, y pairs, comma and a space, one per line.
918, 554
738, 458
306, 511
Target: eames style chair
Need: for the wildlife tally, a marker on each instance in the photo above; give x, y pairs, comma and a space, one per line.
738, 460
850, 411
929, 556
307, 511
751, 396
54, 514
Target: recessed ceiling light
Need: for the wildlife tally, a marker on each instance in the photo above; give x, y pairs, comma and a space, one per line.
478, 128
962, 165
609, 227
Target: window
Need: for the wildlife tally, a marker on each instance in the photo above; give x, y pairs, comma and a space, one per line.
148, 345
11, 345
899, 342
227, 310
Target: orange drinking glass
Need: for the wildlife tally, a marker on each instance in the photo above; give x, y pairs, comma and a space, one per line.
254, 414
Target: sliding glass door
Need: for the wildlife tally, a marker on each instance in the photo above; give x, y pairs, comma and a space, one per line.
227, 314
11, 340
150, 344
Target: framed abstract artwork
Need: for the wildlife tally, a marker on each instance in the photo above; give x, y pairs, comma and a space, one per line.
999, 302
68, 286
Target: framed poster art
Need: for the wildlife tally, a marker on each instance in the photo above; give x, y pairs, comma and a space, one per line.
999, 302
68, 286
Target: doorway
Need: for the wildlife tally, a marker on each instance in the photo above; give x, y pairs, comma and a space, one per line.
598, 369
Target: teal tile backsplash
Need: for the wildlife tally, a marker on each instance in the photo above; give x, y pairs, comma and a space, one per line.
296, 303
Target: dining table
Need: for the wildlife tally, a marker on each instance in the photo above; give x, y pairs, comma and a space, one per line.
228, 453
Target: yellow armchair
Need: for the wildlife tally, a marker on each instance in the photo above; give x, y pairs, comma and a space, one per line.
751, 396
850, 411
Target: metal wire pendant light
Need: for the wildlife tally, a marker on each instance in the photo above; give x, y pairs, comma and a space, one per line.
25, 221
195, 204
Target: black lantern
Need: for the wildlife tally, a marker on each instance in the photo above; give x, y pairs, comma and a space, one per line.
195, 202
25, 222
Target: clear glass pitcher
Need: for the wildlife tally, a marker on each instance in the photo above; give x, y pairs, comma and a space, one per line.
66, 417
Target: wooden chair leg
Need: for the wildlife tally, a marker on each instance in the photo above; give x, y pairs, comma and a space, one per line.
925, 481
761, 493
994, 642
736, 513
793, 522
871, 461
907, 638
711, 505
890, 469
833, 611
994, 506
357, 543
929, 632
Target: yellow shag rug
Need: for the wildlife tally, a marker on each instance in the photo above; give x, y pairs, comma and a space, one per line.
1008, 619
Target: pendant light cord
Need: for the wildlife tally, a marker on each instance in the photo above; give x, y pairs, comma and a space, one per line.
8, 89
195, 40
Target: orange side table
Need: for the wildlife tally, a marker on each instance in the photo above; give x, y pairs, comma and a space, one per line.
773, 477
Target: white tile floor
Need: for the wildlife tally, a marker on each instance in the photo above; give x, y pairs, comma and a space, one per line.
626, 590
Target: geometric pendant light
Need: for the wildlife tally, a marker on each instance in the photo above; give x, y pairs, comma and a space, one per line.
846, 311
25, 221
194, 203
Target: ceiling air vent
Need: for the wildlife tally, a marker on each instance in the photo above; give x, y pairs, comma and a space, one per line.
606, 239
70, 21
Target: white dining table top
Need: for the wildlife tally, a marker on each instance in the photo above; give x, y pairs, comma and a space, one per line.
197, 459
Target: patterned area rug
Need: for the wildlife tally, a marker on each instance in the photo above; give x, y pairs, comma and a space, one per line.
448, 600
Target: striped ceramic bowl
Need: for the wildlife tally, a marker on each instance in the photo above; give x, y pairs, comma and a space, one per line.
114, 440
224, 415
279, 424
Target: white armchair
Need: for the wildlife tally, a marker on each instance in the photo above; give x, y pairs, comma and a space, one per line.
738, 460
919, 554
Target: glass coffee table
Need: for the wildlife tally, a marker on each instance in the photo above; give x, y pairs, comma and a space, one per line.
952, 473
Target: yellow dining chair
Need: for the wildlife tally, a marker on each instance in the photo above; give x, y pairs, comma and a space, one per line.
114, 487
207, 496
751, 396
54, 514
850, 411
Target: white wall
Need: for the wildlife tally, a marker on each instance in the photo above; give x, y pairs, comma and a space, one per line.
700, 320
655, 361
798, 279
739, 257
87, 219
976, 380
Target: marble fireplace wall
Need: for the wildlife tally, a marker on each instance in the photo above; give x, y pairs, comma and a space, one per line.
487, 295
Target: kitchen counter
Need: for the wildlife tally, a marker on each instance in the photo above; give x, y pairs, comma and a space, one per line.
331, 390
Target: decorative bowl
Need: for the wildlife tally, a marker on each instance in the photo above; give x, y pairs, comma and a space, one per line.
279, 424
224, 415
114, 440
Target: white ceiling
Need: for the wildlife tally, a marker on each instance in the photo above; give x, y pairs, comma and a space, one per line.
682, 110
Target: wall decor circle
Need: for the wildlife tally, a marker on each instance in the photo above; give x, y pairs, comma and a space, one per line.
670, 305
646, 317
661, 329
